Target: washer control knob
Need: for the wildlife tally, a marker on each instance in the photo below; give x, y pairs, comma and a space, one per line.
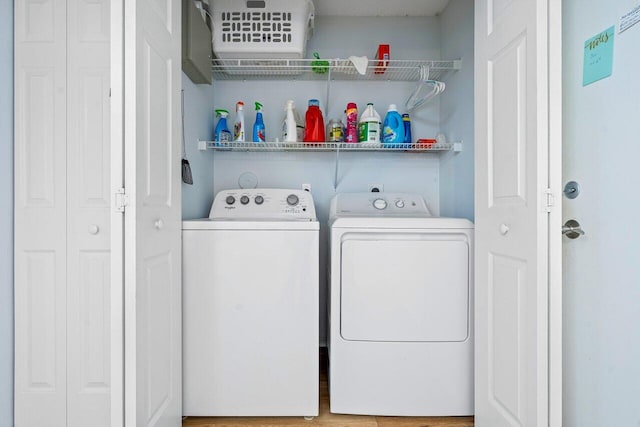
380, 204
292, 200
400, 203
244, 200
230, 200
259, 200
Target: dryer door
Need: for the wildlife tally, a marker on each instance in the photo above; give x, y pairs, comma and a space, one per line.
405, 286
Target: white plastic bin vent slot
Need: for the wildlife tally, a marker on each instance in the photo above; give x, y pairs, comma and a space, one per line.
256, 27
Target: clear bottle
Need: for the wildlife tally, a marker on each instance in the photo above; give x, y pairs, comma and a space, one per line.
258, 125
369, 126
335, 131
314, 123
238, 126
289, 132
222, 133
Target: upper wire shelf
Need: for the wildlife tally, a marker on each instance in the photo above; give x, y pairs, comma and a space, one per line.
334, 69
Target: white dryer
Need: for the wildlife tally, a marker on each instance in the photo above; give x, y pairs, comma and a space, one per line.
401, 316
250, 306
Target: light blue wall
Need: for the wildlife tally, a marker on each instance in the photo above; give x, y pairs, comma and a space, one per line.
456, 111
198, 124
6, 212
601, 282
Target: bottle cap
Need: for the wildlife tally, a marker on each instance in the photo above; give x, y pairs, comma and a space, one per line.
289, 104
239, 105
393, 107
222, 112
406, 117
258, 106
314, 102
351, 105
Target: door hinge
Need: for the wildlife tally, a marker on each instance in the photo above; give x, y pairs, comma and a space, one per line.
121, 200
549, 200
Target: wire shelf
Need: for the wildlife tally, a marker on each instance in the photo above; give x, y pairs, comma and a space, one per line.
329, 146
333, 69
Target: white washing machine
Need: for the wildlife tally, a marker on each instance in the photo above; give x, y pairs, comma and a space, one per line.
401, 317
250, 306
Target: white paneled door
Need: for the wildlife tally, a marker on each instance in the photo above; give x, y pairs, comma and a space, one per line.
62, 271
40, 213
88, 203
152, 249
517, 227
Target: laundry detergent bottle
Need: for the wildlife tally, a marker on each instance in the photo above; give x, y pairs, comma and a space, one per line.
258, 125
222, 133
314, 123
393, 128
369, 126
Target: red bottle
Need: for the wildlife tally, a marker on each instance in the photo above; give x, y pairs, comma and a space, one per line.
314, 123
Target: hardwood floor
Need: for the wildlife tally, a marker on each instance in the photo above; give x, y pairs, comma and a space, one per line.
326, 418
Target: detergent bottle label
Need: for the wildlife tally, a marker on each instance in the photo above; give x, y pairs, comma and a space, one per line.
389, 134
369, 132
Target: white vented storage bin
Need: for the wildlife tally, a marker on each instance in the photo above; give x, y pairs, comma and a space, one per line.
258, 29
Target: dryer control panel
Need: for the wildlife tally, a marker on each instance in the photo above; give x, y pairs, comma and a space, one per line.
269, 204
379, 204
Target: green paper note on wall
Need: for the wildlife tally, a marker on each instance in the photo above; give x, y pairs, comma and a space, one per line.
598, 57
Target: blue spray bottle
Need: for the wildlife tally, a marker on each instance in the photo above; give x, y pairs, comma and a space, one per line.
222, 133
258, 125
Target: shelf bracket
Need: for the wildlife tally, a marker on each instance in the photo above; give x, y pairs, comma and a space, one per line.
336, 170
326, 100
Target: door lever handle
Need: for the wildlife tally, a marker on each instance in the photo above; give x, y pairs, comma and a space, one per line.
572, 229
